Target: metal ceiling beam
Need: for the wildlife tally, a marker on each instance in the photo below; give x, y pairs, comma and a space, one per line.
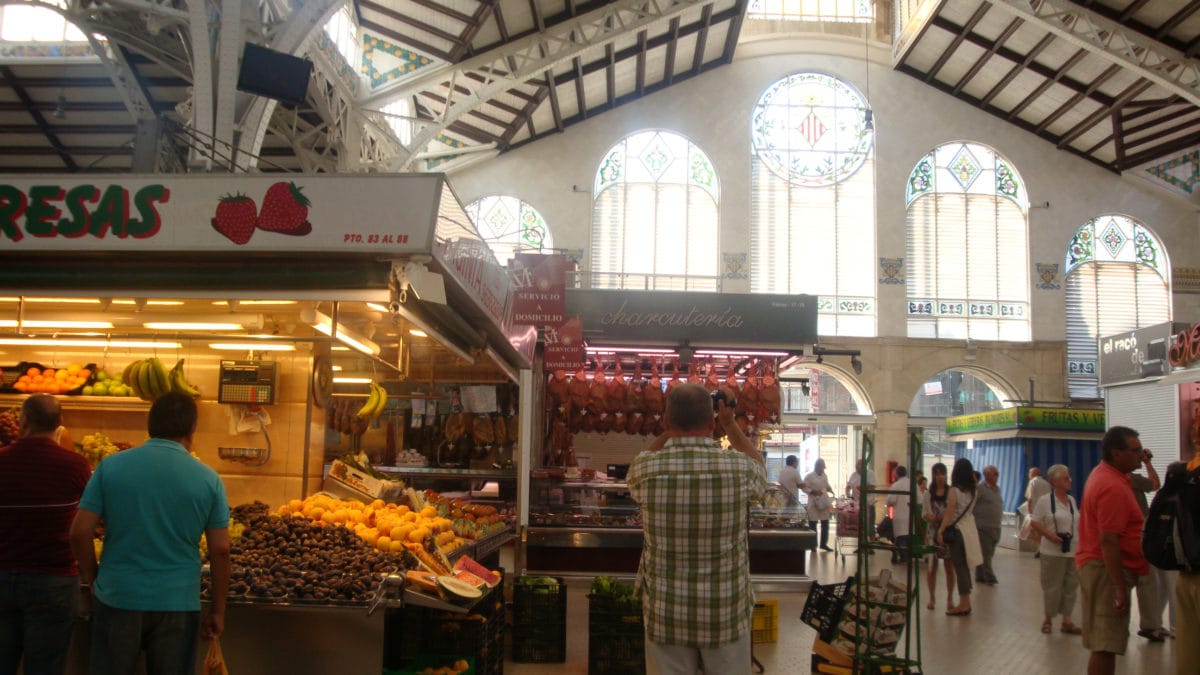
56, 146
532, 56
400, 17
672, 45
735, 30
1165, 150
988, 54
950, 49
1160, 64
997, 112
401, 38
1177, 18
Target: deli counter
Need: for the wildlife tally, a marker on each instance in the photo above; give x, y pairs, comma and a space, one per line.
593, 527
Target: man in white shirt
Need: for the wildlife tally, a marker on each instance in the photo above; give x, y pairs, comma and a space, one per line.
789, 478
1035, 490
901, 511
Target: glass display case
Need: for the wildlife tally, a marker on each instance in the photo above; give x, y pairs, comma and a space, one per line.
578, 526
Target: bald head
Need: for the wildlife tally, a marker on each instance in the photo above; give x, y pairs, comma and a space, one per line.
41, 415
689, 409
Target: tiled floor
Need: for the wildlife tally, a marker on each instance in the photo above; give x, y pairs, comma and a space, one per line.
1002, 635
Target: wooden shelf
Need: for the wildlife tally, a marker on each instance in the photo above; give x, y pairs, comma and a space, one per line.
91, 403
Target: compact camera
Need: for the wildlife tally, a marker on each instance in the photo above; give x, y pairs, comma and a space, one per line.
718, 396
1066, 541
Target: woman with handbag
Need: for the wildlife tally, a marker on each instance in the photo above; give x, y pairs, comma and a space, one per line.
957, 532
933, 505
1056, 517
820, 506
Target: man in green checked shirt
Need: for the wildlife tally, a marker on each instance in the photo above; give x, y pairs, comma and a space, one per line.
694, 576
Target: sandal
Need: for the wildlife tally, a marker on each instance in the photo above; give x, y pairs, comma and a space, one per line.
1046, 628
1071, 629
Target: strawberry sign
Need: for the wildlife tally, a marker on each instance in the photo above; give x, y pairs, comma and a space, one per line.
285, 210
372, 214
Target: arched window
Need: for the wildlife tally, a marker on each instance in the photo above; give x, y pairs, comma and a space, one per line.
1118, 279
795, 10
953, 392
509, 226
967, 255
654, 220
812, 199
343, 32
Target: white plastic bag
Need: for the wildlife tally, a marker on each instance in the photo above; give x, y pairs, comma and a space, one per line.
1026, 523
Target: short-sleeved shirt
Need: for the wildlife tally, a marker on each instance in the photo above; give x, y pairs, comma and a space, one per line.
1037, 488
694, 574
1109, 506
1063, 518
156, 500
989, 506
789, 478
40, 484
854, 483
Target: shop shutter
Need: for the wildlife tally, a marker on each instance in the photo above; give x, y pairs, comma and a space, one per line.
1105, 299
1151, 409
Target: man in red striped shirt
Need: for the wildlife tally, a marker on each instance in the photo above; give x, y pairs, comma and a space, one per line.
40, 486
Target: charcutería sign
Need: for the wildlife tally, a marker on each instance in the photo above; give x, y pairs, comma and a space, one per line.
720, 319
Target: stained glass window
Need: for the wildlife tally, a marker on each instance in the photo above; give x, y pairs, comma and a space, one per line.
967, 263
509, 226
654, 219
812, 200
1118, 279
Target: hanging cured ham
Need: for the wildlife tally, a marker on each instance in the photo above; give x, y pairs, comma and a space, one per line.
617, 389
769, 398
557, 387
674, 381
635, 401
578, 390
711, 381
598, 392
654, 393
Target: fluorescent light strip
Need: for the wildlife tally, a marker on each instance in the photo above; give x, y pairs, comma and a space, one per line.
351, 380
324, 324
738, 352
67, 342
225, 303
192, 325
73, 301
28, 323
629, 350
417, 332
156, 303
252, 346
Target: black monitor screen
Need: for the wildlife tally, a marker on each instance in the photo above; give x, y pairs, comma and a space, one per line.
274, 74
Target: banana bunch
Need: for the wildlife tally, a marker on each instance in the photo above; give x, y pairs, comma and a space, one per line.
375, 402
149, 379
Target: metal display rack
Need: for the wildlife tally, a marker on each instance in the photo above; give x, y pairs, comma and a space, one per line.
878, 612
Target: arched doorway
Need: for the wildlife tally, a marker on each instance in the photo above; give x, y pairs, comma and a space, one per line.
962, 390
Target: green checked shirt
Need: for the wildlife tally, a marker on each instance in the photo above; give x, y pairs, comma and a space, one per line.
694, 576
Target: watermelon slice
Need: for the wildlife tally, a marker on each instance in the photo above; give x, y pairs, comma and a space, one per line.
466, 563
463, 575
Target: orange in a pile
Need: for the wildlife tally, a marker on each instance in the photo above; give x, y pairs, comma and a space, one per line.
52, 381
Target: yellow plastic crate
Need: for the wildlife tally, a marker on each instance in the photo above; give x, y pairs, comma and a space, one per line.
765, 627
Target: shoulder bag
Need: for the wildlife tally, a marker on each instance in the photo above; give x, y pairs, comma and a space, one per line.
951, 534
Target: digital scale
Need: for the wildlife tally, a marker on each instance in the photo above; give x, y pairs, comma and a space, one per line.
247, 382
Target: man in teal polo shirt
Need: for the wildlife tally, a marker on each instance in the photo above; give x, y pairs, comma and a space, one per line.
155, 501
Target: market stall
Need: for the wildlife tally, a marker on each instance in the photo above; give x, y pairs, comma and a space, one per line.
606, 404
312, 318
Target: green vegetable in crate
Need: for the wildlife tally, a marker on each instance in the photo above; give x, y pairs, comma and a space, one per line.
614, 590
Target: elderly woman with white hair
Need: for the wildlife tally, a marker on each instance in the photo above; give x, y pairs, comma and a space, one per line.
1056, 517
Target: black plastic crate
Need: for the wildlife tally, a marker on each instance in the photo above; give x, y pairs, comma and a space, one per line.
616, 637
539, 621
823, 607
413, 632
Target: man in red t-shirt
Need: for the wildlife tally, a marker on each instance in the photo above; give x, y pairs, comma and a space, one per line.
1109, 555
40, 486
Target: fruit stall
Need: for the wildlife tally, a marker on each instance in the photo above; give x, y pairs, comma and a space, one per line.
318, 326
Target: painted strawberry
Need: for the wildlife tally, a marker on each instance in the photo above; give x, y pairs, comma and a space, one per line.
285, 210
235, 218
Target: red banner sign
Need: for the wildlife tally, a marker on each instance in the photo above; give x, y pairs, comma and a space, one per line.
1186, 348
564, 345
539, 284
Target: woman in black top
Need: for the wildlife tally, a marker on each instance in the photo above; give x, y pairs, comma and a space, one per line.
932, 508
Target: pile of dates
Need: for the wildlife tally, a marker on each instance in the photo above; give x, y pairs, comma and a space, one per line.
280, 559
